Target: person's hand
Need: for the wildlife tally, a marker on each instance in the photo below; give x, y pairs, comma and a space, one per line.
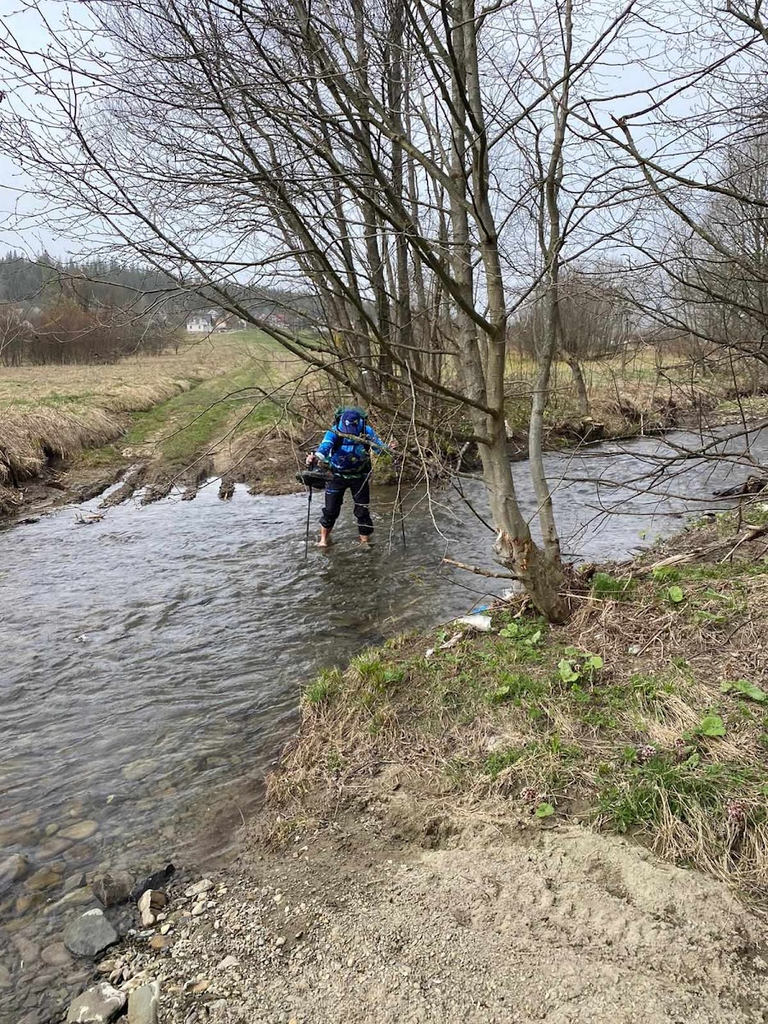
393, 443
311, 459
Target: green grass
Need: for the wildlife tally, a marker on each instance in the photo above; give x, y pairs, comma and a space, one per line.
608, 588
322, 689
192, 423
642, 797
634, 717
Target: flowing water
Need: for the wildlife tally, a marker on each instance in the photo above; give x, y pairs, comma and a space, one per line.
152, 661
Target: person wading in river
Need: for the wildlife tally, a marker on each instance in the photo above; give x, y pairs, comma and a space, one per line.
346, 450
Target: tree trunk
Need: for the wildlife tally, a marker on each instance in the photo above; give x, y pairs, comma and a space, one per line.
582, 397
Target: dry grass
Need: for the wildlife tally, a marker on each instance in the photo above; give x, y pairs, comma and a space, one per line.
657, 742
57, 412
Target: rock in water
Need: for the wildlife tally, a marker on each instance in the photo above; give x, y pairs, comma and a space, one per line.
56, 955
89, 934
112, 888
98, 1005
143, 1004
157, 881
11, 870
79, 831
45, 878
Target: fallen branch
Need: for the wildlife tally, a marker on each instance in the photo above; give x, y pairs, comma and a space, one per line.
478, 571
752, 533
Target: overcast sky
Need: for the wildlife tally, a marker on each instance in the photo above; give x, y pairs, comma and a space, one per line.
17, 194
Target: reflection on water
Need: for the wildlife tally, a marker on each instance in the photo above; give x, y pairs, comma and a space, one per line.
150, 659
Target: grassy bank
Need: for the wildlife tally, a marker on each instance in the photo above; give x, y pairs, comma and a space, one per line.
646, 715
169, 411
229, 405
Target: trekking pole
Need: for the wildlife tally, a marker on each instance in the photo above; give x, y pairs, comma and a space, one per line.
309, 509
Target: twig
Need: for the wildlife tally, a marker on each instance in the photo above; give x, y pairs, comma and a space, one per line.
478, 571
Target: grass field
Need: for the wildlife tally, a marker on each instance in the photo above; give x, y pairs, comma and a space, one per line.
170, 406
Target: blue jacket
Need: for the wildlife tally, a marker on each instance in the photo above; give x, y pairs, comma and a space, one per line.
350, 451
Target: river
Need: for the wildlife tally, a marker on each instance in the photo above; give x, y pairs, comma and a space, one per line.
152, 661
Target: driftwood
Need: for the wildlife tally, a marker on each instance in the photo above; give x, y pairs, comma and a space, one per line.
752, 485
751, 533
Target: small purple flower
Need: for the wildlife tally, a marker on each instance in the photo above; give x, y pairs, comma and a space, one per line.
646, 752
530, 795
736, 813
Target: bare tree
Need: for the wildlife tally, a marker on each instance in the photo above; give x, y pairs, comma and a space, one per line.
375, 154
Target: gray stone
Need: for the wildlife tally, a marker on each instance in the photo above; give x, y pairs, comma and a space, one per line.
5, 977
112, 887
56, 955
137, 770
11, 870
204, 885
28, 952
45, 878
143, 1004
81, 830
98, 1005
90, 934
51, 847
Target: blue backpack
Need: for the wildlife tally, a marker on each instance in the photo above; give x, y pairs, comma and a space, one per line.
347, 455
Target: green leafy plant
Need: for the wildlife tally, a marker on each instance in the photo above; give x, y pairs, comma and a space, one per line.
321, 690
746, 689
711, 726
528, 633
676, 594
544, 810
577, 665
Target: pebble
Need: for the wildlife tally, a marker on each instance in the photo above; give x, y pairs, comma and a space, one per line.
12, 869
90, 934
28, 952
97, 1005
227, 962
50, 848
28, 901
45, 878
149, 902
160, 941
199, 908
56, 955
79, 831
204, 885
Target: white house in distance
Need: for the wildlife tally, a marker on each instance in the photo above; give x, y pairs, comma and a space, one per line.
214, 320
200, 323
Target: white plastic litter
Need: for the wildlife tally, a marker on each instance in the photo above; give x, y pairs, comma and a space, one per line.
481, 622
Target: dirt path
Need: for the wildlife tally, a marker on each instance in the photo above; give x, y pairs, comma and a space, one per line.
556, 925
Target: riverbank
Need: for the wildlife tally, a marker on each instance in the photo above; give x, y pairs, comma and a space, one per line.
523, 823
218, 404
235, 408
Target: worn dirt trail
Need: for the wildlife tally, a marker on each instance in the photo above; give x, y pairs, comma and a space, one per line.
557, 925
